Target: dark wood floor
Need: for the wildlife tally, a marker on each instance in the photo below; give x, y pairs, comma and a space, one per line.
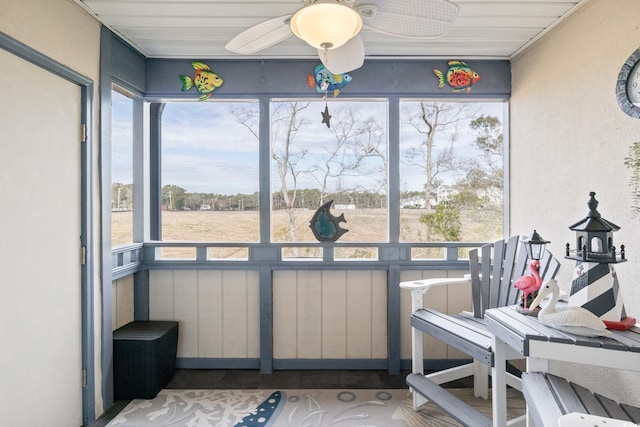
253, 379
250, 379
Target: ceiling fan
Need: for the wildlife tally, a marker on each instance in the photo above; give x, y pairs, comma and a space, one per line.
332, 27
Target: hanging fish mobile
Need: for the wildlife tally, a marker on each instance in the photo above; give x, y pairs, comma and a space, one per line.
325, 225
324, 81
204, 80
326, 117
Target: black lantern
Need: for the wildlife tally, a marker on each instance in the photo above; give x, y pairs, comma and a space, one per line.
594, 237
535, 245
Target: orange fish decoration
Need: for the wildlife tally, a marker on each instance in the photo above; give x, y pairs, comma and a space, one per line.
459, 76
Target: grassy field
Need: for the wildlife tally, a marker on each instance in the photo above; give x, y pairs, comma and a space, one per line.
364, 225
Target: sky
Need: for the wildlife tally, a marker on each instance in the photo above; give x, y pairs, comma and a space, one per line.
205, 149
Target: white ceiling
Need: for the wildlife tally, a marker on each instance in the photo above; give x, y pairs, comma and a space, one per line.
491, 29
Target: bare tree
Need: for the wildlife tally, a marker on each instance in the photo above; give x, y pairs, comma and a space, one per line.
355, 140
372, 143
341, 158
247, 116
286, 121
438, 122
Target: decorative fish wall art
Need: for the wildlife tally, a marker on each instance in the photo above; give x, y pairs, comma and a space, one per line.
204, 80
459, 76
325, 225
324, 81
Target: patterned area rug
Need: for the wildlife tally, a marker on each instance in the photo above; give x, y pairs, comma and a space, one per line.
294, 408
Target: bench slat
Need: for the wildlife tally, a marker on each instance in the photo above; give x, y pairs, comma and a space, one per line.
450, 404
613, 409
591, 404
566, 396
632, 411
629, 338
455, 332
536, 392
549, 397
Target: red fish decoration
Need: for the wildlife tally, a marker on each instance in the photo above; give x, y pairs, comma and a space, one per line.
459, 76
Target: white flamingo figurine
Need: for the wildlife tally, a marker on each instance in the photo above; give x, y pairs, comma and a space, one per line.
529, 284
575, 320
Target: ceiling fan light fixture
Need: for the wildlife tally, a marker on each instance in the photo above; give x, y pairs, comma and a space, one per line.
326, 24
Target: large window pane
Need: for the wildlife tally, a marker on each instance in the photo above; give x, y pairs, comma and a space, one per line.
314, 162
121, 167
451, 171
210, 172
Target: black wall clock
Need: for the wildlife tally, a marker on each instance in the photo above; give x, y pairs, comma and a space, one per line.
628, 86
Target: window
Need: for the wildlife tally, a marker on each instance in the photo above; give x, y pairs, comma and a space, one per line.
451, 171
314, 162
210, 173
121, 167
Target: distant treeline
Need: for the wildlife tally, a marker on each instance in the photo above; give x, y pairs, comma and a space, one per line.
176, 198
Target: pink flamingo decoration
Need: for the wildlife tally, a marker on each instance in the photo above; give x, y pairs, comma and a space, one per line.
529, 284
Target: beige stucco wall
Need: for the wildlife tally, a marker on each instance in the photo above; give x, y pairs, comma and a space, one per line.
64, 32
568, 137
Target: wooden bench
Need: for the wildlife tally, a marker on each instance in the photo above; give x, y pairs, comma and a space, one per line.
549, 397
493, 268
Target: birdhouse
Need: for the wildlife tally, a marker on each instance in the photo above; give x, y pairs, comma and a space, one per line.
595, 282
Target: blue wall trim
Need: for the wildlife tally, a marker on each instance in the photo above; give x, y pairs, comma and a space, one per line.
216, 363
326, 364
314, 364
287, 78
106, 359
127, 65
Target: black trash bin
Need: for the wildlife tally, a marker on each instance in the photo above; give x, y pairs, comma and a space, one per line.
144, 358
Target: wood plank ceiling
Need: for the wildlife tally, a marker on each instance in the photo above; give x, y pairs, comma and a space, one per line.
484, 29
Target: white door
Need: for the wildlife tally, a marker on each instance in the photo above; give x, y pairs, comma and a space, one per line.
40, 226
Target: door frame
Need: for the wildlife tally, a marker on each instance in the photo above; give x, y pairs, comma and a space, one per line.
86, 227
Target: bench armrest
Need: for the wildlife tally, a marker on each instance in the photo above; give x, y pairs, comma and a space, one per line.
424, 285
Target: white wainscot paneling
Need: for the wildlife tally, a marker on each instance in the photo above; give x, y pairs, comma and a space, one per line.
218, 311
334, 314
122, 297
448, 299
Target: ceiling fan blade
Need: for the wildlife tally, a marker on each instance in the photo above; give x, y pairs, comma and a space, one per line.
346, 58
408, 18
261, 36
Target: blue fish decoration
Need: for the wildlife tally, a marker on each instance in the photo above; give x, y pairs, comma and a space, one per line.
266, 413
324, 81
325, 225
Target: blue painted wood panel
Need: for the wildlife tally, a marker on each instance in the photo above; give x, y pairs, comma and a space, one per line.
285, 78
